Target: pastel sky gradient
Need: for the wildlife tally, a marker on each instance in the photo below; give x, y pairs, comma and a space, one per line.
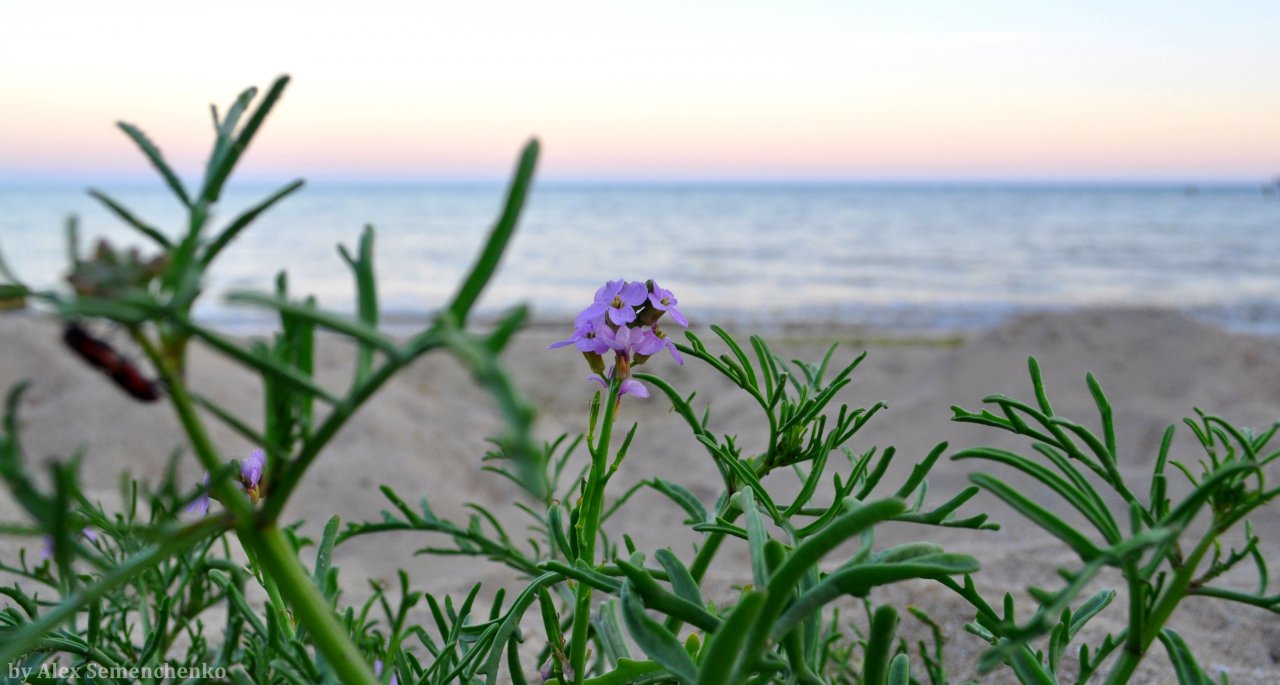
655, 90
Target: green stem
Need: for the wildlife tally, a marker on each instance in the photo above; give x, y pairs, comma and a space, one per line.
273, 593
280, 562
589, 528
1137, 607
1127, 662
231, 497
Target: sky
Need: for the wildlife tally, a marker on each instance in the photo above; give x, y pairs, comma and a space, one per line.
653, 91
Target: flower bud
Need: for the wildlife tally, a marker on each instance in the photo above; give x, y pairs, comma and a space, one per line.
595, 361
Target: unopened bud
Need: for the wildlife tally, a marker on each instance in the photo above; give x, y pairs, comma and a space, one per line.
595, 361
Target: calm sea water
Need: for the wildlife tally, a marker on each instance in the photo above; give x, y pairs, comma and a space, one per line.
903, 257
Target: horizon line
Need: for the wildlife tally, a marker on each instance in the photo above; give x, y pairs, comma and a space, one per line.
134, 181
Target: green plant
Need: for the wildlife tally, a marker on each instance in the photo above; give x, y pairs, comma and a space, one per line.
130, 594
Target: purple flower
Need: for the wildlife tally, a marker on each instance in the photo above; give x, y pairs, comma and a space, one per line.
646, 343
623, 319
46, 549
620, 340
201, 503
663, 300
586, 337
251, 473
618, 299
377, 670
629, 386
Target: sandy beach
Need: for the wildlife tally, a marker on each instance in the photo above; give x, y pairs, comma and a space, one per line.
424, 435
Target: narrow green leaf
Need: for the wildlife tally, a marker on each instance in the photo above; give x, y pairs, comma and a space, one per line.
659, 599
858, 580
1104, 410
900, 670
722, 660
487, 262
131, 219
743, 362
654, 640
157, 160
237, 225
757, 536
1088, 610
681, 496
682, 582
226, 161
324, 553
1184, 662
884, 625
1038, 515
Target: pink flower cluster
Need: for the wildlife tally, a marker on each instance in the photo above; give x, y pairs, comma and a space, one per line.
623, 319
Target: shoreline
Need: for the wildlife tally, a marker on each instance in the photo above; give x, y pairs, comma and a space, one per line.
249, 322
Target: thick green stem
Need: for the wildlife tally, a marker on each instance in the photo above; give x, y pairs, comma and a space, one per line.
280, 562
1137, 607
273, 593
1128, 659
589, 529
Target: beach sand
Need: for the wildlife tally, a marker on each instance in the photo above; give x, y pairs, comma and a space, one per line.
424, 435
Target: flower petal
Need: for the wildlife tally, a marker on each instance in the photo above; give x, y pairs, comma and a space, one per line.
591, 315
634, 387
251, 468
622, 315
634, 293
674, 352
609, 290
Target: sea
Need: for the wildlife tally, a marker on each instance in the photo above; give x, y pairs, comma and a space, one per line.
909, 257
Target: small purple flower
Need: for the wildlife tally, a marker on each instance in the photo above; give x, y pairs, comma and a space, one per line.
586, 337
89, 534
251, 473
620, 340
201, 503
662, 299
618, 299
629, 386
647, 343
377, 670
